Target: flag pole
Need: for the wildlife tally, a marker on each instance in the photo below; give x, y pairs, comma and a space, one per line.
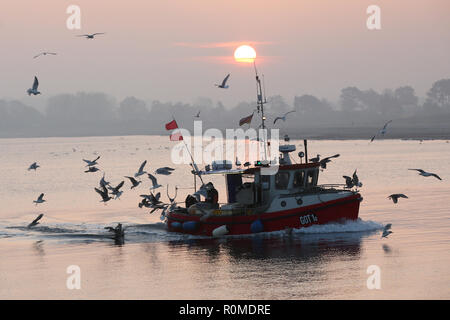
194, 165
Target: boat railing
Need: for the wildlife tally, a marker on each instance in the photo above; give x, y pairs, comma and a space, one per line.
332, 185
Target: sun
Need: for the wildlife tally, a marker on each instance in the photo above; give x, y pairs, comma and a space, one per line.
245, 53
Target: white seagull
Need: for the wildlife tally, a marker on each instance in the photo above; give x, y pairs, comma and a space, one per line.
427, 174
40, 199
91, 163
155, 183
141, 170
224, 83
90, 36
356, 181
283, 117
382, 131
116, 190
34, 90
44, 54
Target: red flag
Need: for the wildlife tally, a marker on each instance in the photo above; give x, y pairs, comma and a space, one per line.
246, 120
171, 125
176, 136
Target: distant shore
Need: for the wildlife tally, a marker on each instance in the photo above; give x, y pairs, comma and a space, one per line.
322, 133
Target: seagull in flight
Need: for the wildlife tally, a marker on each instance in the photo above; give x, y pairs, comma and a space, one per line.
382, 131
92, 169
44, 54
356, 181
394, 197
155, 183
153, 199
104, 194
283, 117
34, 89
427, 174
40, 199
164, 170
386, 230
348, 182
133, 181
35, 221
353, 181
91, 163
324, 161
141, 170
224, 83
33, 166
90, 36
103, 182
116, 190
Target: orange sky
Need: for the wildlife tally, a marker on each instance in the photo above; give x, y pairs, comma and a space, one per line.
168, 50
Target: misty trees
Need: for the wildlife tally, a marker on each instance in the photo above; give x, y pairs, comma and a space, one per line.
132, 109
99, 114
349, 99
80, 110
438, 97
18, 119
309, 104
389, 103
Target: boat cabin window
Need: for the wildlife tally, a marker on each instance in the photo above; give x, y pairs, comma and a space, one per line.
299, 179
265, 182
282, 180
311, 178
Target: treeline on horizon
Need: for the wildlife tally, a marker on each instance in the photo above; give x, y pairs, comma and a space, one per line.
93, 114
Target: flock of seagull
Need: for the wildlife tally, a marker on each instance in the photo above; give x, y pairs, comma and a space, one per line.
34, 89
108, 192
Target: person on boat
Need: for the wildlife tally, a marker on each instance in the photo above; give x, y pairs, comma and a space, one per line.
212, 195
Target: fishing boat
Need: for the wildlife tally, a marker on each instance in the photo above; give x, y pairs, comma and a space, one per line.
260, 199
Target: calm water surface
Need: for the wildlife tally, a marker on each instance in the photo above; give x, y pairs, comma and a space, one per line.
326, 262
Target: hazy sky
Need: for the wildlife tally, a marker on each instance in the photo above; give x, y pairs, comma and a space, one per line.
176, 50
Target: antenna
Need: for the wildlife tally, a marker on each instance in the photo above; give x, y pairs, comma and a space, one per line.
260, 102
264, 88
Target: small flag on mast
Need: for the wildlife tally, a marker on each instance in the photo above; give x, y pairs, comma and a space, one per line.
172, 125
246, 120
176, 136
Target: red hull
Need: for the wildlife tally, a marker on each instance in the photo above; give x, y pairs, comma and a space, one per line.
331, 211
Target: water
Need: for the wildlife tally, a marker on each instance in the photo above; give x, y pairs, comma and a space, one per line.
321, 262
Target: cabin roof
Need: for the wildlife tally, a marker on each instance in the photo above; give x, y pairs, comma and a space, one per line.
286, 167
253, 170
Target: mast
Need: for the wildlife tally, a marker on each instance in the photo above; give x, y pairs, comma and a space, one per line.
261, 100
